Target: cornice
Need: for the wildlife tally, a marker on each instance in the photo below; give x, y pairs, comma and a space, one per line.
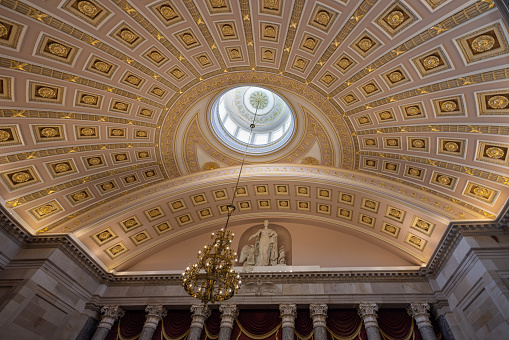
447, 246
456, 231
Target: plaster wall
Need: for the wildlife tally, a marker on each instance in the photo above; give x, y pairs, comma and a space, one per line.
311, 246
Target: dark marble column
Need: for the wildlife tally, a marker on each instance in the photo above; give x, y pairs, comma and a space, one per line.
419, 311
228, 315
367, 311
288, 314
154, 315
110, 314
87, 331
318, 313
200, 314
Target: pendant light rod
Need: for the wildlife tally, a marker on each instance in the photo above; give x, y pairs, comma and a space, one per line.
231, 207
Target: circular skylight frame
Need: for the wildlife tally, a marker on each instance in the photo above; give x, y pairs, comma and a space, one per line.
274, 128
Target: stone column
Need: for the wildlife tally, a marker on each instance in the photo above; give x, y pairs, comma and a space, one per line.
318, 313
419, 311
110, 315
200, 314
367, 311
154, 315
90, 325
228, 315
288, 314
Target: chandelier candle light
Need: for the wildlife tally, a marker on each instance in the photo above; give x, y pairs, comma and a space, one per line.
212, 278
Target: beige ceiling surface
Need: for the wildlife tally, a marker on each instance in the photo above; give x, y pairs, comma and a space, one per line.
401, 111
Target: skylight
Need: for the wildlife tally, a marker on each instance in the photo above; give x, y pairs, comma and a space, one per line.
233, 112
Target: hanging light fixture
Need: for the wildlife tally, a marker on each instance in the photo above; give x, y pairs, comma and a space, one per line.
212, 278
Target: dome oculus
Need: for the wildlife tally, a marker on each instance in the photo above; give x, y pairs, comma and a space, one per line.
233, 112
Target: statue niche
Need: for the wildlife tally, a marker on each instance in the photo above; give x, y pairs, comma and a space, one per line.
270, 247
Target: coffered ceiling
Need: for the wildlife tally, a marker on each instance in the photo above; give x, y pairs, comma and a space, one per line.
401, 118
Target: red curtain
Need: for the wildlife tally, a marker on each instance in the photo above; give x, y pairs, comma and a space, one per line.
303, 324
212, 326
112, 334
396, 323
175, 325
266, 325
345, 323
129, 326
257, 324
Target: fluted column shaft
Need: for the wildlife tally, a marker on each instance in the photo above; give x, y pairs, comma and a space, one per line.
200, 314
419, 311
228, 315
109, 315
288, 313
154, 315
367, 311
318, 313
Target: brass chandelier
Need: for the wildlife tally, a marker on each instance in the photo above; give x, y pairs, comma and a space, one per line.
212, 278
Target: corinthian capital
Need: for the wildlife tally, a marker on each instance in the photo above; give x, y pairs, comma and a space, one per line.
114, 312
154, 315
200, 314
367, 311
318, 313
419, 311
109, 315
156, 310
288, 314
228, 315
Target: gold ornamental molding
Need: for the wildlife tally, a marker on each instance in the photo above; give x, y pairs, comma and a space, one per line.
23, 156
57, 24
454, 20
483, 129
248, 31
48, 72
17, 113
475, 172
143, 22
443, 207
290, 35
484, 77
191, 7
343, 33
75, 182
343, 130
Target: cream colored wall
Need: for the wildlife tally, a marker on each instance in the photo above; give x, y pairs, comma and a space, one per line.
309, 245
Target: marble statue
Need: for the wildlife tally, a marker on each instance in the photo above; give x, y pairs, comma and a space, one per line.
265, 251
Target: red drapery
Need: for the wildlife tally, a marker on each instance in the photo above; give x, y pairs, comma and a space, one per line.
257, 325
212, 326
342, 324
397, 324
128, 327
303, 325
345, 324
175, 325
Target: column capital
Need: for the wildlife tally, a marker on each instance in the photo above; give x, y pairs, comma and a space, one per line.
154, 314
228, 315
367, 311
156, 310
288, 312
109, 315
200, 314
419, 311
318, 313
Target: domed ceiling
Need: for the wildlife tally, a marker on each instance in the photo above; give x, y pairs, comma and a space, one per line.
401, 119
